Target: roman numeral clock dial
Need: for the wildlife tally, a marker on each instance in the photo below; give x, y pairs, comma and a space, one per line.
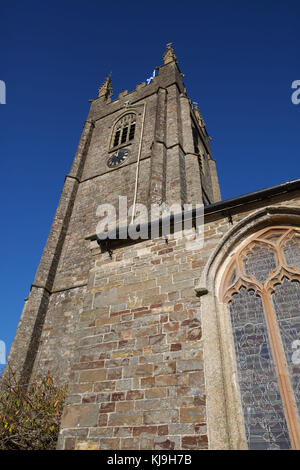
118, 158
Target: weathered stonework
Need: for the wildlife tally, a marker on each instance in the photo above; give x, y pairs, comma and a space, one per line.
146, 359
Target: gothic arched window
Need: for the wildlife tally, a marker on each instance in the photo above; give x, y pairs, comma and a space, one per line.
262, 289
124, 130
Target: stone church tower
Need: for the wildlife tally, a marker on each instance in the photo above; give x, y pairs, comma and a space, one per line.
166, 344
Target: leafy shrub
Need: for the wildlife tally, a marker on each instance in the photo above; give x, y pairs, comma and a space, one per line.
30, 413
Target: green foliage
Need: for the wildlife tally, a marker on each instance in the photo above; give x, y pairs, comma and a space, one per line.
30, 414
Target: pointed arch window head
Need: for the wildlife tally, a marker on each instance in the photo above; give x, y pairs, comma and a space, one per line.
262, 289
124, 130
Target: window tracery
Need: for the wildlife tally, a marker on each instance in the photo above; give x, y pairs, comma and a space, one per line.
262, 289
124, 130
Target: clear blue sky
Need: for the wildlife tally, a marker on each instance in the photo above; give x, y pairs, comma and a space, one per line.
239, 60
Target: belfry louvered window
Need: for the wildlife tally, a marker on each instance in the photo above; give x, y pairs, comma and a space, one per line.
124, 130
262, 289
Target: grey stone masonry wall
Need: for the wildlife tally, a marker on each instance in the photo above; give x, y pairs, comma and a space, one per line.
27, 339
138, 377
124, 333
137, 381
168, 173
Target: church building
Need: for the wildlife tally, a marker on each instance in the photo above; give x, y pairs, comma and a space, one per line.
166, 341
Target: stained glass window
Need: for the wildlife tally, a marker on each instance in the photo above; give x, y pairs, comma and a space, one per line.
264, 305
286, 299
292, 252
260, 260
265, 422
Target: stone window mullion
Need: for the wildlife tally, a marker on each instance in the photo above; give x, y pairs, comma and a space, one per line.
281, 370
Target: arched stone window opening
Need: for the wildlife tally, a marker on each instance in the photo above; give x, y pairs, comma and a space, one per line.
124, 130
262, 289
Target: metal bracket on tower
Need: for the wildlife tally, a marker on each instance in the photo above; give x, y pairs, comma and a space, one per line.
229, 217
105, 246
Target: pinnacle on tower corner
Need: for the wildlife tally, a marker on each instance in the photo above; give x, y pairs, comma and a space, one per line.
105, 90
198, 114
169, 55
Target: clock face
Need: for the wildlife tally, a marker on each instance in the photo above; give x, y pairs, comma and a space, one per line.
117, 158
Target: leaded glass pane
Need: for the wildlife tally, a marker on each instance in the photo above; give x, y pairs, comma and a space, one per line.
265, 422
259, 262
286, 300
291, 252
